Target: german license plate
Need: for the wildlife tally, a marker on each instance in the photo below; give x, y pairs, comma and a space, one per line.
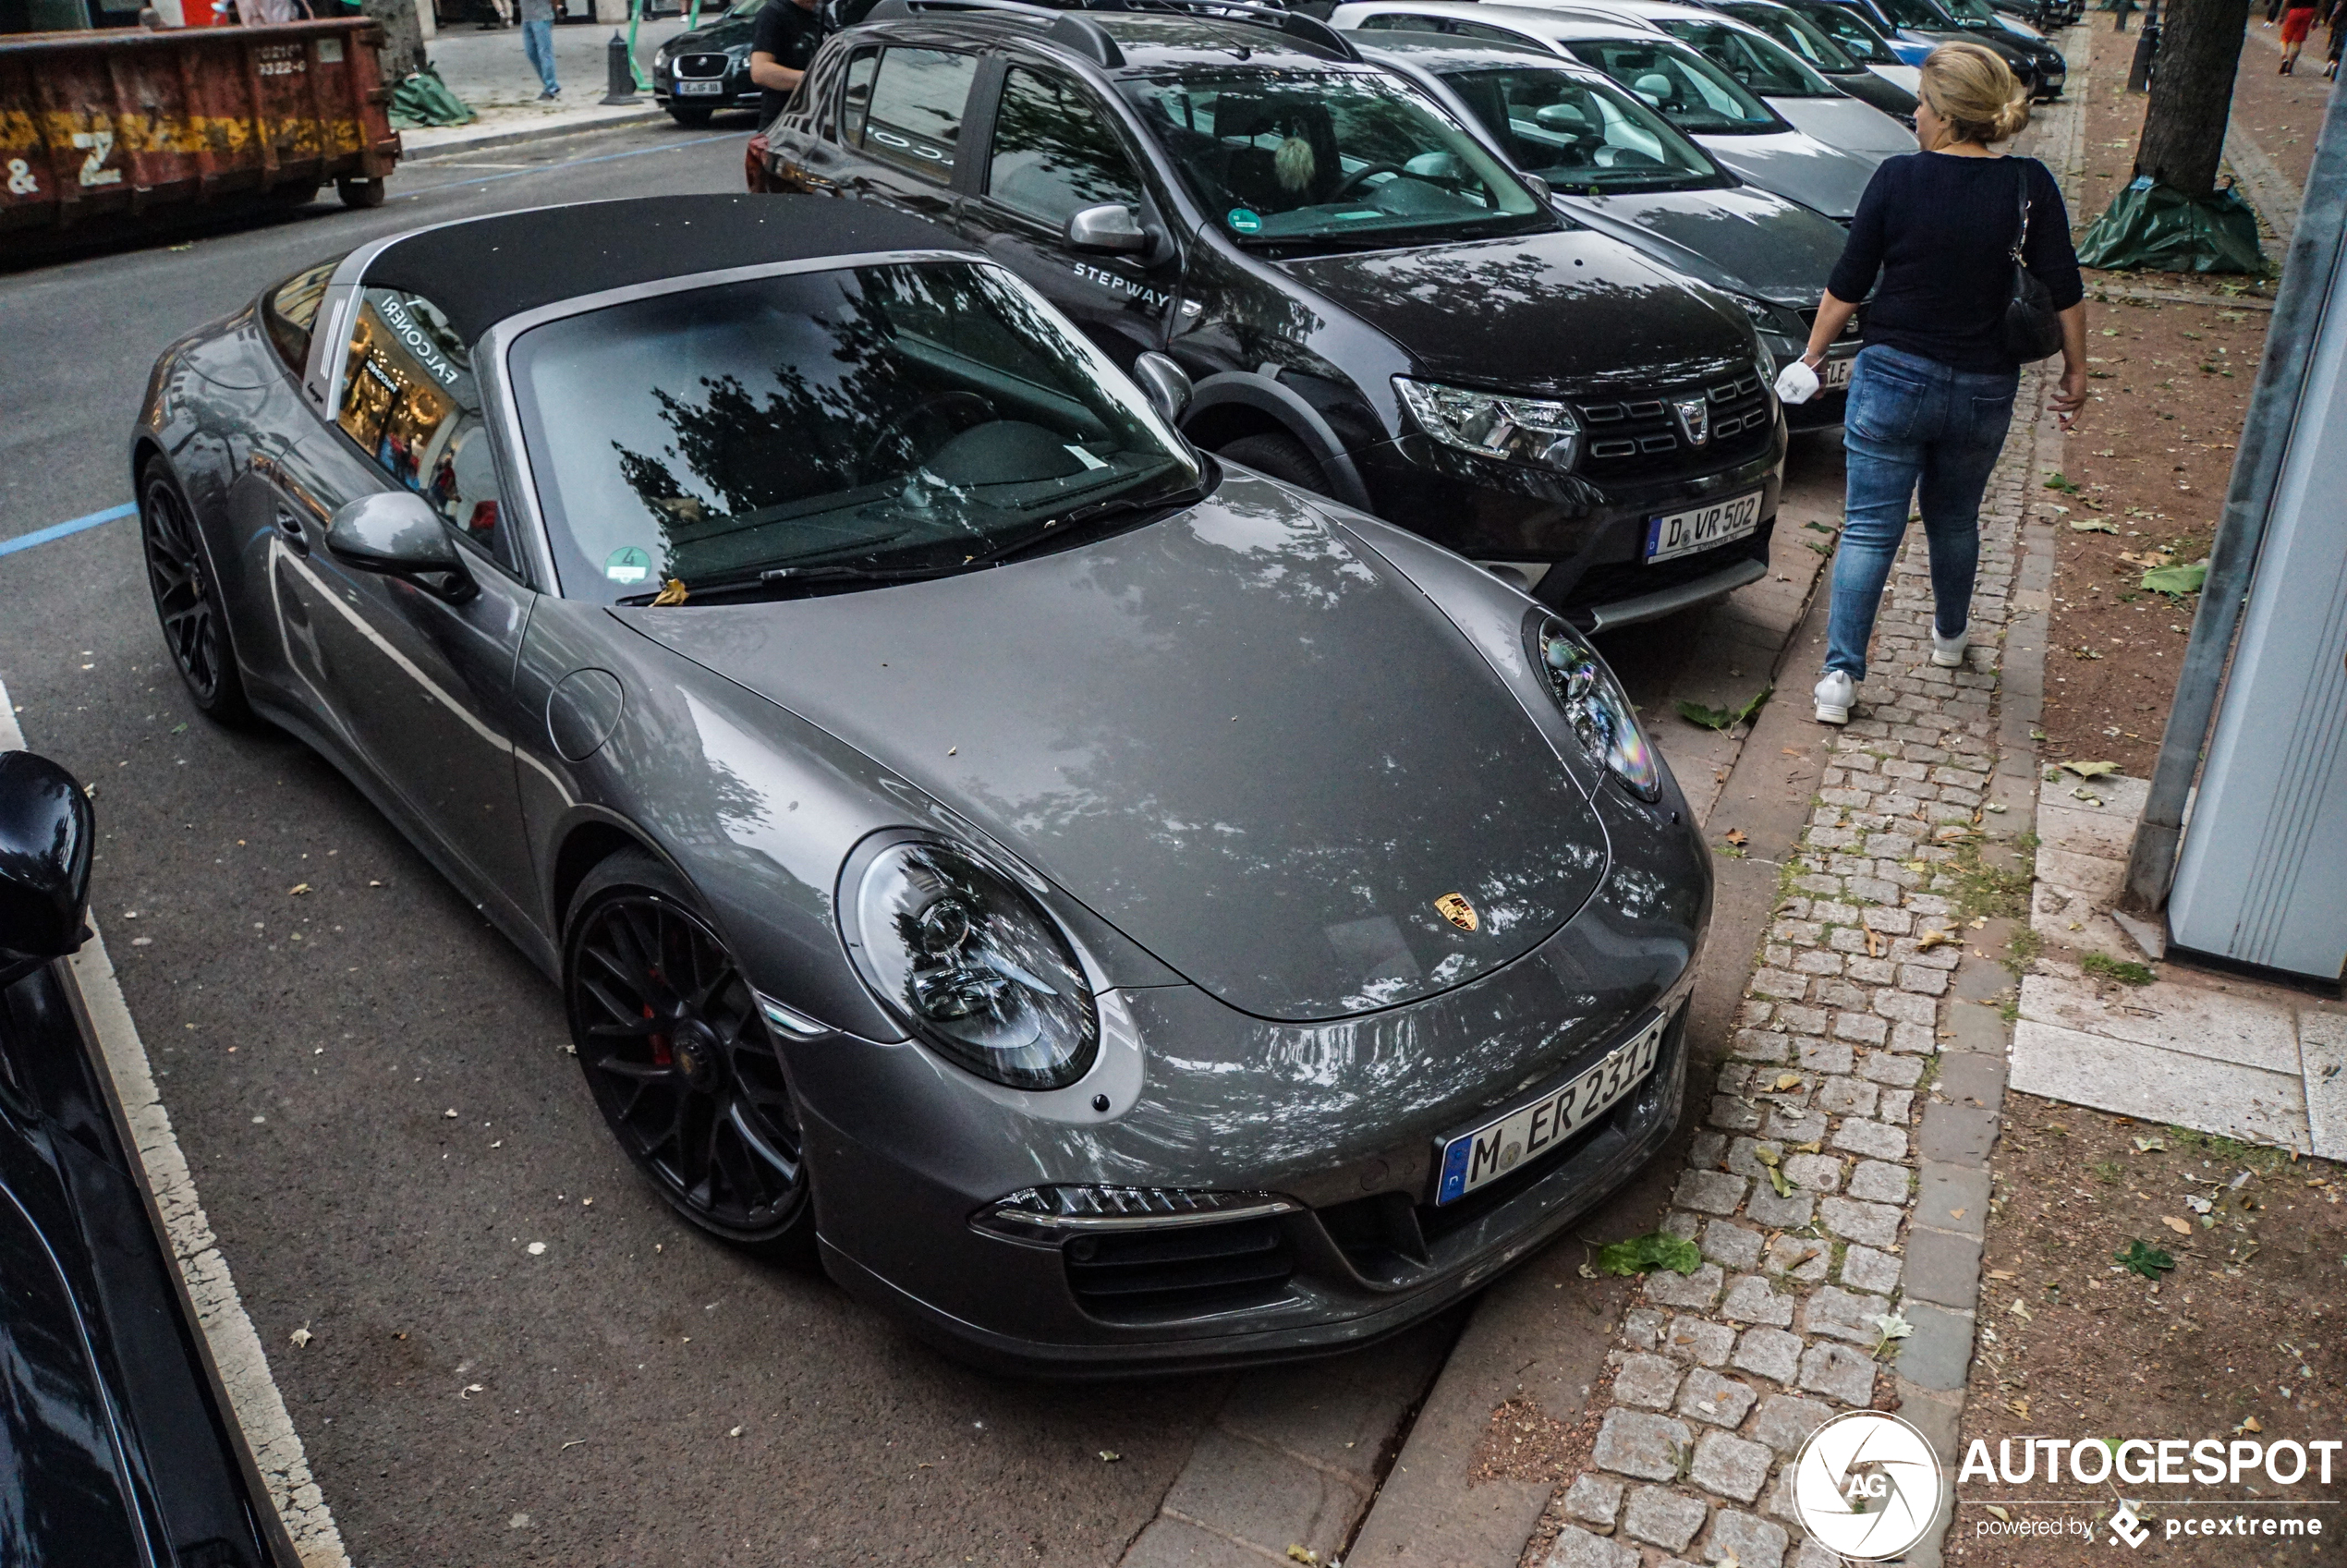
1491, 1152
1683, 533
1837, 374
701, 89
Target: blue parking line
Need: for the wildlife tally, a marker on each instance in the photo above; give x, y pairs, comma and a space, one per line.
59, 530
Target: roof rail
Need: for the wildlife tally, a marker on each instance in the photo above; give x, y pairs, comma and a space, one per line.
1072, 29
1297, 24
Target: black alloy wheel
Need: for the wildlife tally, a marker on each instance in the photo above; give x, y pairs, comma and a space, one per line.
680, 1061
188, 598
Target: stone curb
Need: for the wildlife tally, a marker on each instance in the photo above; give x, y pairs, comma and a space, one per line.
480, 139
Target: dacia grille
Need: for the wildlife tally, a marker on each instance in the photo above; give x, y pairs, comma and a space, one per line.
699, 66
1643, 435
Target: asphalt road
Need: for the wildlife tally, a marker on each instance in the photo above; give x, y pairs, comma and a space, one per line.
371, 1089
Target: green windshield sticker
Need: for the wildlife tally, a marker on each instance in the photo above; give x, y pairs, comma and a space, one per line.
1244, 221
627, 564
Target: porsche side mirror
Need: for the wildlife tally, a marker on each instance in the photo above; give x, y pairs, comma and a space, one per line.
1166, 385
1110, 228
1539, 188
46, 834
400, 534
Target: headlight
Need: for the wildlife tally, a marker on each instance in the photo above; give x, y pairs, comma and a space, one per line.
972, 965
1763, 315
1595, 706
1520, 430
660, 56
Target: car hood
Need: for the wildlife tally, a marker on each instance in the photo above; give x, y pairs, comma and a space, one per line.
1745, 239
719, 38
1797, 167
1242, 739
1557, 313
1907, 79
1847, 124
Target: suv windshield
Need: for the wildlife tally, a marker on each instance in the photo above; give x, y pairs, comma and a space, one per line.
1759, 63
1575, 132
1925, 16
1328, 157
887, 419
1796, 36
1691, 92
1852, 32
1974, 15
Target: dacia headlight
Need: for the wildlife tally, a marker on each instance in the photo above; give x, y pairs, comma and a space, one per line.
1595, 705
971, 965
1520, 430
1760, 312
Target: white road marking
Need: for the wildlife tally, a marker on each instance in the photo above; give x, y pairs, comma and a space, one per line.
258, 1408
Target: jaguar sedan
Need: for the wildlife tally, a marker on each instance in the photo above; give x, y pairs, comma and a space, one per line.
1115, 910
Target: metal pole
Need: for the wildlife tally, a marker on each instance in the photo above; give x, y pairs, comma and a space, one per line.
634, 71
2241, 528
2145, 59
692, 22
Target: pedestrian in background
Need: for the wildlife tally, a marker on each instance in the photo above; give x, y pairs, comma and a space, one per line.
2337, 36
781, 46
1931, 392
2296, 23
537, 44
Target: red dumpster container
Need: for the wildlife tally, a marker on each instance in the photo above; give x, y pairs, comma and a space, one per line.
120, 126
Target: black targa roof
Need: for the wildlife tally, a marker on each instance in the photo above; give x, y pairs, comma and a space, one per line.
484, 270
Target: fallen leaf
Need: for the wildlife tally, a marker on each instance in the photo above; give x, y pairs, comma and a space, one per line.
1110, 1457
673, 594
734, 1433
1788, 1080
2091, 770
2148, 1145
301, 1336
1305, 1555
1874, 945
2093, 524
536, 1249
1723, 718
297, 889
470, 1390
2001, 1274
1767, 1155
2148, 1261
1930, 940
1657, 1249
1956, 1213
2000, 1512
2250, 1424
2181, 1227
1737, 835
2177, 580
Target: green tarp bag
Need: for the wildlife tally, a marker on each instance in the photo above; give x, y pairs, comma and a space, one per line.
2160, 228
424, 100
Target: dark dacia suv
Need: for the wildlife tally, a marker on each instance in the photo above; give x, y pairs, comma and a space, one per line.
1370, 304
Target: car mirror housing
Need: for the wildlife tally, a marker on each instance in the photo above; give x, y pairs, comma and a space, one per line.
1166, 385
46, 837
398, 534
1112, 228
1539, 187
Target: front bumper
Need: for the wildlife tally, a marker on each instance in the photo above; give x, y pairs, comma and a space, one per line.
1590, 535
1342, 1120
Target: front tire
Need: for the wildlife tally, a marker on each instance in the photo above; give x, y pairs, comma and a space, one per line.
1282, 456
680, 1062
187, 601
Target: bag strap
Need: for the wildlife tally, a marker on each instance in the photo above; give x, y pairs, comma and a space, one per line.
2022, 243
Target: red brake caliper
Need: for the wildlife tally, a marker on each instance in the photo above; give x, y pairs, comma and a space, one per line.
661, 1056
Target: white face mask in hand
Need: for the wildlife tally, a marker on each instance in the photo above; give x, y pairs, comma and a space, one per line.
1796, 384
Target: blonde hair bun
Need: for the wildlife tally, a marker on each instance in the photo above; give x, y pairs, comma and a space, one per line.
1971, 88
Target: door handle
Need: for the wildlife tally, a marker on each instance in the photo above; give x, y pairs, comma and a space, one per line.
289, 529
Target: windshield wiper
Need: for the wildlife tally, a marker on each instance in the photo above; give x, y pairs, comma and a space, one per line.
774, 578
1069, 524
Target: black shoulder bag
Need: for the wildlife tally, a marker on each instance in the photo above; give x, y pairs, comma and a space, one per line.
2032, 329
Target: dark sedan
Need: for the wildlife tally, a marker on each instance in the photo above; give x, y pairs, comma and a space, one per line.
697, 74
117, 1447
1114, 909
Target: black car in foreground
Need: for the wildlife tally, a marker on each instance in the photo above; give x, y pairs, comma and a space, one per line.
116, 1450
1372, 305
697, 74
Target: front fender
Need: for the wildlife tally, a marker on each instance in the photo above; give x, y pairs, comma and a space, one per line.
1250, 389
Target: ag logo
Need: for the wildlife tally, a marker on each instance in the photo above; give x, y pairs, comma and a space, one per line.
1866, 1485
2127, 1528
1454, 908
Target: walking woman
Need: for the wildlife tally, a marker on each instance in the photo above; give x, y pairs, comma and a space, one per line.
2296, 23
1932, 391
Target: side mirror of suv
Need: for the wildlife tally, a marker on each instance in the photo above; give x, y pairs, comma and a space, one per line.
398, 534
1166, 385
1112, 228
46, 836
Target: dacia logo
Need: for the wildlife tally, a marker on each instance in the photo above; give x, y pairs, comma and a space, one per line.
1695, 420
1454, 908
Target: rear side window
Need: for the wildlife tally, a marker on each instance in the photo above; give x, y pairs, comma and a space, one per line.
410, 402
290, 313
1055, 154
914, 120
856, 100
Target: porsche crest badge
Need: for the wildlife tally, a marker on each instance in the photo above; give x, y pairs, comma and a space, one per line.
1454, 908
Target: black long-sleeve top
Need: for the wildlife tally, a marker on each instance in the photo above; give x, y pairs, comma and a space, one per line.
1938, 230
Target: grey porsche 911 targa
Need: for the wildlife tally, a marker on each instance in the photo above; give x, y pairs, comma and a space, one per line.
1116, 910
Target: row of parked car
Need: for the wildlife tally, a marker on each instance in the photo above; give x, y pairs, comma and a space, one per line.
1388, 247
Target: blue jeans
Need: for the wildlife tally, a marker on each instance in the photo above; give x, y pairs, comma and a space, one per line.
537, 44
1913, 427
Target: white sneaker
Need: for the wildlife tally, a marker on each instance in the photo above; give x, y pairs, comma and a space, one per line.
1948, 651
1835, 694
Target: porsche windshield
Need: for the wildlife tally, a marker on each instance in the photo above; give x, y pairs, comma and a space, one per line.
1760, 63
1793, 32
1328, 158
1691, 92
882, 420
1579, 134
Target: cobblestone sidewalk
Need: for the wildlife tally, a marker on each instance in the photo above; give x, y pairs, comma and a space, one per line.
1852, 1284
